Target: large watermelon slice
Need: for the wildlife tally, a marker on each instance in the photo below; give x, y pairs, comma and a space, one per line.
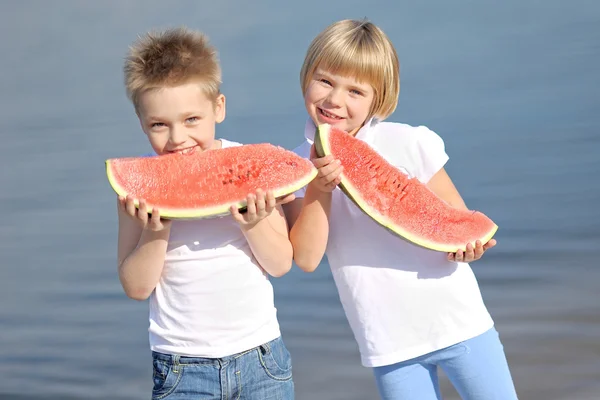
206, 184
403, 205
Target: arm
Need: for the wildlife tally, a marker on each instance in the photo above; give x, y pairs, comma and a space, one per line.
142, 246
443, 187
309, 219
265, 228
269, 242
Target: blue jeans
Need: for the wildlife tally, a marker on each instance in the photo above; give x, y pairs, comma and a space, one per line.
261, 373
476, 367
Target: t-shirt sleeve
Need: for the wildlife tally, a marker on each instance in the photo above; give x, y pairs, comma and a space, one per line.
431, 153
303, 151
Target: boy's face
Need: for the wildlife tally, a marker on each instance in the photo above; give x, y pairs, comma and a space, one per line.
340, 101
180, 118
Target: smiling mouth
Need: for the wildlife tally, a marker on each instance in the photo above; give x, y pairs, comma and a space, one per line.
327, 114
188, 150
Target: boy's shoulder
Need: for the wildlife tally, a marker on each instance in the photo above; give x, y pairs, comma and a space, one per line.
229, 143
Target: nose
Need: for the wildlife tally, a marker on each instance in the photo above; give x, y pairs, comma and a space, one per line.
335, 98
176, 136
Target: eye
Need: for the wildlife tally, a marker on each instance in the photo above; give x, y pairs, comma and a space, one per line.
192, 120
356, 92
325, 81
157, 125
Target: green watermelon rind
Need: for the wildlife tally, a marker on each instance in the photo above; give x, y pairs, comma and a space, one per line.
216, 211
323, 149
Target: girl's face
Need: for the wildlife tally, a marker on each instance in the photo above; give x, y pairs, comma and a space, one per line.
340, 101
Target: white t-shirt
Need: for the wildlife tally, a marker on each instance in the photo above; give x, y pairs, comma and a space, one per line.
401, 300
213, 299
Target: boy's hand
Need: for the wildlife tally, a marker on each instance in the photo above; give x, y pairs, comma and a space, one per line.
329, 173
140, 215
259, 206
472, 254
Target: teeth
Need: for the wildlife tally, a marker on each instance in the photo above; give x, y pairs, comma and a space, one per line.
325, 113
187, 151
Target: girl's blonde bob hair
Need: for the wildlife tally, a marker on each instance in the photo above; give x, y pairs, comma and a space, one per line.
361, 50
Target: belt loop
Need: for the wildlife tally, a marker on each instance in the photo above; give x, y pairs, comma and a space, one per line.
176, 363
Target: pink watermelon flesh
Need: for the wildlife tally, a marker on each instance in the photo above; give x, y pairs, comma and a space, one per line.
402, 204
204, 184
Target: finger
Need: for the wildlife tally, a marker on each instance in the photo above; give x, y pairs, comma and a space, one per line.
142, 211
235, 213
451, 257
459, 256
323, 161
130, 206
261, 203
332, 179
121, 203
251, 200
332, 171
478, 251
489, 244
155, 218
469, 252
314, 156
329, 168
270, 201
286, 199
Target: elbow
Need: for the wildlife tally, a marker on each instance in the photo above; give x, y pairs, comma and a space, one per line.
306, 264
282, 270
136, 292
139, 294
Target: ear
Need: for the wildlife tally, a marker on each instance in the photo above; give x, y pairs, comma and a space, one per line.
220, 108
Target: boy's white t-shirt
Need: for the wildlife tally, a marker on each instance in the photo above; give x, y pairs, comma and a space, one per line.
213, 299
401, 300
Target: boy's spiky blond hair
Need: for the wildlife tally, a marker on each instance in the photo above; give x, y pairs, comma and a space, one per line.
169, 58
361, 50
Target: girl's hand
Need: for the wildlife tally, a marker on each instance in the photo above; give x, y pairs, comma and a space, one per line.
329, 173
259, 206
140, 215
472, 254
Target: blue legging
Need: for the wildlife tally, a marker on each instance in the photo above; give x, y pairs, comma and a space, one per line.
476, 367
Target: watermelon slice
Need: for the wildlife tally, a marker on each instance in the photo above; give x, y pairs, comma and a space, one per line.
206, 184
403, 205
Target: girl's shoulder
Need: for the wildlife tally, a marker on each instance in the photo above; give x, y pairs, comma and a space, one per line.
400, 134
417, 150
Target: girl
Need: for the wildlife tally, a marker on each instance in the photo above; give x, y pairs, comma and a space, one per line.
411, 310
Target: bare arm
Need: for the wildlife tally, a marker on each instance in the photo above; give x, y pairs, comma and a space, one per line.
309, 219
142, 247
269, 242
443, 187
266, 231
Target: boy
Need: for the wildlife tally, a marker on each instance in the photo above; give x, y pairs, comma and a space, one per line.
213, 329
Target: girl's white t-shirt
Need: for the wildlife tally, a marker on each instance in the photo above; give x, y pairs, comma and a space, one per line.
401, 300
213, 299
